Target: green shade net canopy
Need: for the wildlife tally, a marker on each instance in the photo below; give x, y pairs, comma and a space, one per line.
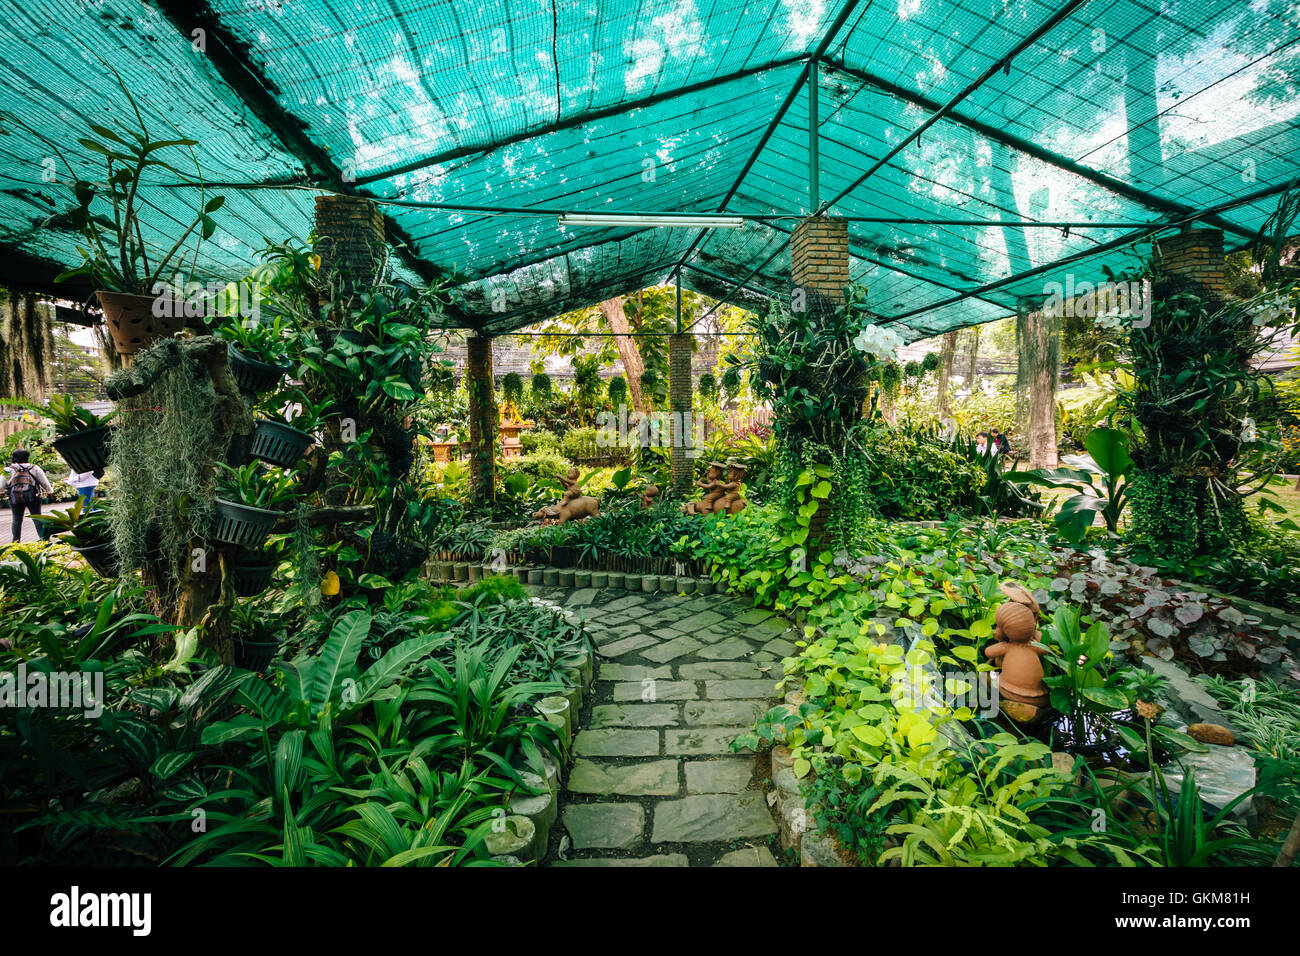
979, 150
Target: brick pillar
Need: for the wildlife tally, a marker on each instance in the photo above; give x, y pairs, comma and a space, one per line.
351, 231
1195, 254
679, 404
482, 419
819, 256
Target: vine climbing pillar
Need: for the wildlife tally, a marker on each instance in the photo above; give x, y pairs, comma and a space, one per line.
819, 274
482, 419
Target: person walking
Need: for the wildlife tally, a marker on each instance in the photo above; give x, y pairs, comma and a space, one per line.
84, 482
26, 485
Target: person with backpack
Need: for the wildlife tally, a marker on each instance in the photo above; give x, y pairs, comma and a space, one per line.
26, 485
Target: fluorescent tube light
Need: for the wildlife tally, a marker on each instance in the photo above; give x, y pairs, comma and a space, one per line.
684, 221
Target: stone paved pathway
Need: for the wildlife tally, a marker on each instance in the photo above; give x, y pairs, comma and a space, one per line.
653, 781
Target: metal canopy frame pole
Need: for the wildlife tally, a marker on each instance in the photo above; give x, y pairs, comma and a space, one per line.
1129, 239
836, 25
1029, 148
1002, 64
814, 154
616, 109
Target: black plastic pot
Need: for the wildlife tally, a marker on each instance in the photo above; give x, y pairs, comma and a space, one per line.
243, 524
278, 444
255, 655
252, 574
102, 557
251, 375
85, 451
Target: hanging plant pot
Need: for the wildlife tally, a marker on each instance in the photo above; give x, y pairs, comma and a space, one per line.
251, 375
278, 444
85, 451
102, 557
255, 655
243, 524
253, 573
132, 323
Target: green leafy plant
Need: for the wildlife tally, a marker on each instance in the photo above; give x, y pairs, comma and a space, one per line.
1108, 461
107, 212
79, 526
256, 486
263, 341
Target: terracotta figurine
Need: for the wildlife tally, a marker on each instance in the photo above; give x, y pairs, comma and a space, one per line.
731, 503
649, 495
712, 485
572, 506
1018, 644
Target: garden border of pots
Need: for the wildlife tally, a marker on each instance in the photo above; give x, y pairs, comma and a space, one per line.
455, 572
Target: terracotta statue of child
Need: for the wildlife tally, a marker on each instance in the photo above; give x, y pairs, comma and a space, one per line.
1018, 645
731, 503
649, 495
712, 485
570, 482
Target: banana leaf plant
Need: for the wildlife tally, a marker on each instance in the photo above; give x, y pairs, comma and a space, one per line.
1097, 478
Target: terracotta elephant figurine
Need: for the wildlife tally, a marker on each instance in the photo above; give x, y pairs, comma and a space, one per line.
571, 509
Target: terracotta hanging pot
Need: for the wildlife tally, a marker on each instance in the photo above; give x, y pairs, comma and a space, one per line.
132, 323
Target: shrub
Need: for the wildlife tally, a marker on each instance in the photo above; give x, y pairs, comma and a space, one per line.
617, 391
1173, 518
512, 388
579, 444
913, 480
494, 589
539, 439
543, 465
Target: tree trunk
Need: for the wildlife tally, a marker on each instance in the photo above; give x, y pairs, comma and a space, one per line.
633, 367
1041, 360
974, 355
946, 354
27, 346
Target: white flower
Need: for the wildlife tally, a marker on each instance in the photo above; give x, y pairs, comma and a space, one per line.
877, 342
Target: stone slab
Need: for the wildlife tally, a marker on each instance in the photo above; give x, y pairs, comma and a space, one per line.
672, 649
718, 670
661, 690
707, 818
723, 713
668, 859
698, 741
617, 743
749, 856
608, 826
634, 715
728, 775
656, 778
740, 689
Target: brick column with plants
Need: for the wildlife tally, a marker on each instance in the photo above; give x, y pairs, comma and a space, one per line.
482, 418
819, 273
819, 257
679, 397
352, 242
1191, 372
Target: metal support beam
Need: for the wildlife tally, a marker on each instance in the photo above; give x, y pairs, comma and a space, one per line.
581, 119
1029, 148
845, 12
235, 64
1124, 240
814, 153
1002, 64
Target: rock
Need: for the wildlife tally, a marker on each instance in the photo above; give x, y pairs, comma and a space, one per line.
617, 743
1222, 774
793, 823
668, 859
781, 759
727, 775
749, 856
611, 826
1063, 763
1211, 734
739, 689
634, 715
1021, 713
709, 817
819, 849
656, 778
